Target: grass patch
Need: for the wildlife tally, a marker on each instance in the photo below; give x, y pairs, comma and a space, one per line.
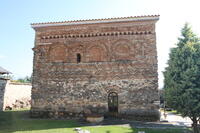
120, 129
19, 122
173, 112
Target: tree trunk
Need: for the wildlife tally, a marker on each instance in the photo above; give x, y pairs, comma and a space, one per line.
195, 125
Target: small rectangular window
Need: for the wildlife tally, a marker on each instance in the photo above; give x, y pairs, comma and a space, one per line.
78, 58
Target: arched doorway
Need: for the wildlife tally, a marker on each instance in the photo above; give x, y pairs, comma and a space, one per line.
113, 102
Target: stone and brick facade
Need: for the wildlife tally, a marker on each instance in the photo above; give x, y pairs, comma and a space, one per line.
77, 64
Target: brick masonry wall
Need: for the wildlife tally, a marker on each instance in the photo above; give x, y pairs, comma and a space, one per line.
115, 57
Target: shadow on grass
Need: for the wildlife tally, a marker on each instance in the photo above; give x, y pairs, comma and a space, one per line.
12, 121
128, 126
19, 122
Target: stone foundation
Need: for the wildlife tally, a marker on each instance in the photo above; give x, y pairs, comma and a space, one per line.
142, 115
139, 115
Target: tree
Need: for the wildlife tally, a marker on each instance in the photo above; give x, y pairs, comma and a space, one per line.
26, 79
182, 77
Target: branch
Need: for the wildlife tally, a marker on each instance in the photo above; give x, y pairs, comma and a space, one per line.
191, 118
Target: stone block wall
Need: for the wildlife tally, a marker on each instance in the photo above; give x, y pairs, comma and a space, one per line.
115, 57
3, 83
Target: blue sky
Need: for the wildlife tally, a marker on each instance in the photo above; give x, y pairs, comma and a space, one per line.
17, 37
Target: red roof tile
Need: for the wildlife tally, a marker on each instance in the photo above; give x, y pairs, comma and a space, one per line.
88, 20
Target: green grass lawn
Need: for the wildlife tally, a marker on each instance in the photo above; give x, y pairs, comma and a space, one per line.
19, 122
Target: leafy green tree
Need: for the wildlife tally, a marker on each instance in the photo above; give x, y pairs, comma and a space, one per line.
26, 79
182, 77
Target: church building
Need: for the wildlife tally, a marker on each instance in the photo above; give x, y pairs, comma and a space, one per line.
97, 66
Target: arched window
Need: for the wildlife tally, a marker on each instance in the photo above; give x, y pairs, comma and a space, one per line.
57, 53
78, 57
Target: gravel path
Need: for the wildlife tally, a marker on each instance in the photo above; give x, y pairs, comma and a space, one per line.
176, 119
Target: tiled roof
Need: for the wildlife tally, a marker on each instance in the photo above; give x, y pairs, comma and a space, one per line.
133, 18
3, 71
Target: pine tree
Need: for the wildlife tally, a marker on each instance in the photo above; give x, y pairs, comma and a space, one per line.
182, 77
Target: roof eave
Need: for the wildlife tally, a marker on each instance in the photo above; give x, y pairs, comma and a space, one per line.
150, 18
5, 72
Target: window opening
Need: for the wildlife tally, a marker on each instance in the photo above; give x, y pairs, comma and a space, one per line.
78, 57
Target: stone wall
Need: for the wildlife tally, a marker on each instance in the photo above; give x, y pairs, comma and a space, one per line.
3, 83
14, 95
115, 57
17, 95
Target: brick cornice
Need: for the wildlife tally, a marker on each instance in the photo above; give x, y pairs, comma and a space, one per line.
95, 34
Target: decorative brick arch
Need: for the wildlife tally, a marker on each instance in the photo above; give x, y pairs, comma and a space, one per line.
122, 50
97, 53
76, 50
57, 53
41, 51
